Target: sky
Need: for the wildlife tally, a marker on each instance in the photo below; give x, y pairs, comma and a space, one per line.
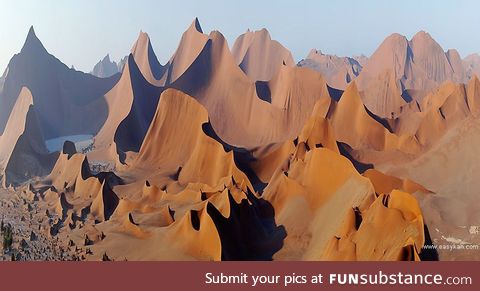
80, 33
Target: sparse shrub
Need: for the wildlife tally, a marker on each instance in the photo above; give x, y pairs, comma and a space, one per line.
7, 237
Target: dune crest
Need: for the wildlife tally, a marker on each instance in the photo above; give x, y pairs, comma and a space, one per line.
259, 56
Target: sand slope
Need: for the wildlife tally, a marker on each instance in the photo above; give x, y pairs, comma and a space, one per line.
449, 169
216, 81
331, 212
23, 153
259, 56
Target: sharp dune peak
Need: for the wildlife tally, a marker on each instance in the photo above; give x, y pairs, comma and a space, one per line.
143, 37
351, 90
196, 25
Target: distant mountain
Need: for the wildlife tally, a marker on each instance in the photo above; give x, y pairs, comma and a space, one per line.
259, 56
105, 68
338, 71
402, 70
121, 63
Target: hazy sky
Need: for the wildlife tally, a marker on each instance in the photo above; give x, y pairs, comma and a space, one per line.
82, 32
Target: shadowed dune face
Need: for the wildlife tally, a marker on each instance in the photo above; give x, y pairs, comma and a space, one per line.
195, 196
207, 199
205, 68
23, 153
67, 102
131, 131
146, 59
240, 155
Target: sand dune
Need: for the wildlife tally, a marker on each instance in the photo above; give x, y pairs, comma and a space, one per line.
196, 157
227, 93
356, 127
440, 110
23, 152
204, 68
191, 48
196, 198
15, 126
402, 70
146, 59
328, 208
131, 104
286, 114
259, 56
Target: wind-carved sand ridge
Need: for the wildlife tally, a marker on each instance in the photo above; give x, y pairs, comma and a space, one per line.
239, 154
